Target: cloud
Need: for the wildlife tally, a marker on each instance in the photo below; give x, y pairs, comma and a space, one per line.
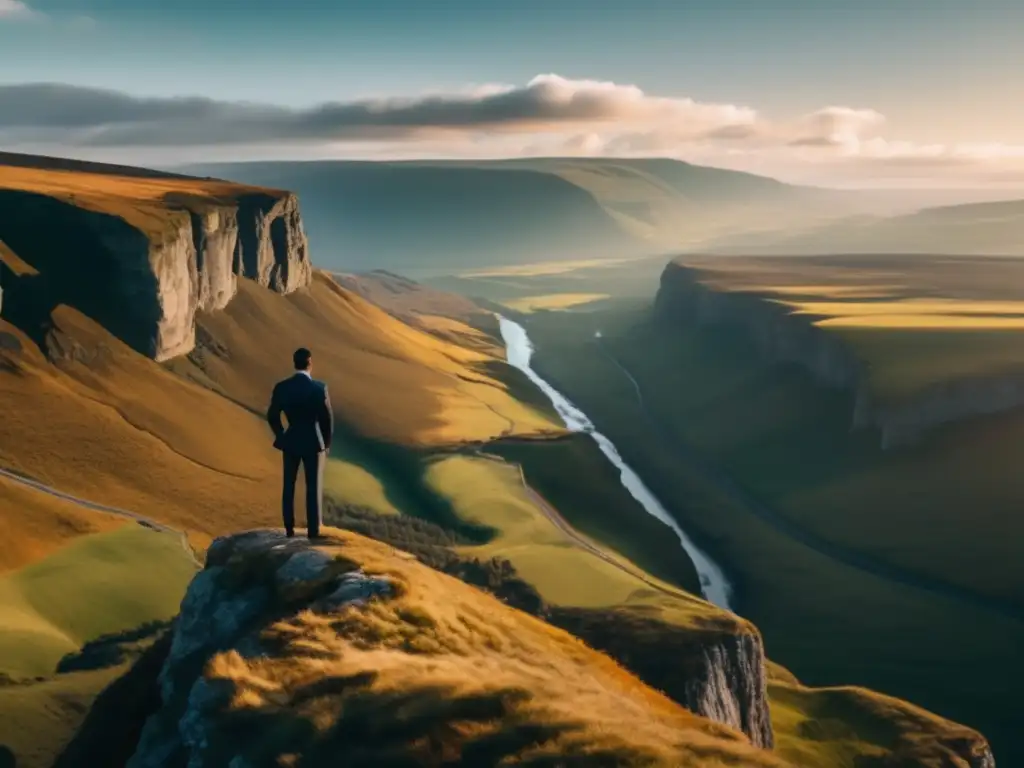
108, 118
547, 115
15, 10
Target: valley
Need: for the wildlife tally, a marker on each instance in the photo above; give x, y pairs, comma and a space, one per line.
145, 319
729, 400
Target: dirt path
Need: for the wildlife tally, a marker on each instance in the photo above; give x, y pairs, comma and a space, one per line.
852, 558
142, 520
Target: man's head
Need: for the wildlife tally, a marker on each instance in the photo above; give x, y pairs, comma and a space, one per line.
303, 359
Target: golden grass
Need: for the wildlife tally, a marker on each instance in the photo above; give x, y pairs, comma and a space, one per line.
387, 380
36, 525
124, 431
143, 202
553, 301
444, 671
115, 427
457, 332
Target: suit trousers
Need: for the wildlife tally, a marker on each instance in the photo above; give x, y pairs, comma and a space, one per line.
313, 466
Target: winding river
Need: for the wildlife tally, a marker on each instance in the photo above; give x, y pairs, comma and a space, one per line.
520, 351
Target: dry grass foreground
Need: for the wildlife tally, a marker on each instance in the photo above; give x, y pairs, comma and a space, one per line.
435, 674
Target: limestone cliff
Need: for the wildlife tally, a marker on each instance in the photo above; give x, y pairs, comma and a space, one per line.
143, 270
783, 337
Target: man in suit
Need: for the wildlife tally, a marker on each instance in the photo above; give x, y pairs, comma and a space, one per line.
306, 441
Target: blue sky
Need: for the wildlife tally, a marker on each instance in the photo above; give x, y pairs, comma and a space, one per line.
942, 72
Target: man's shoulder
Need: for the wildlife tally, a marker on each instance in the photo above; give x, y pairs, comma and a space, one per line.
321, 384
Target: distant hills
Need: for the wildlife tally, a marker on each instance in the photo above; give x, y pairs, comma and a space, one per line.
987, 229
433, 217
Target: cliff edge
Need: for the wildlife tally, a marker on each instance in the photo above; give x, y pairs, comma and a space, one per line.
773, 301
140, 254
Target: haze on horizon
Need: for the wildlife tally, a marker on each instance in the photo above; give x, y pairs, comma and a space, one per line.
920, 93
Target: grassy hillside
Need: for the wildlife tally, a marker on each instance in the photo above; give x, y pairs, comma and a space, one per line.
38, 525
435, 217
100, 584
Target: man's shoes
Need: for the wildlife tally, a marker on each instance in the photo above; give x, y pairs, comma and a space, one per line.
290, 534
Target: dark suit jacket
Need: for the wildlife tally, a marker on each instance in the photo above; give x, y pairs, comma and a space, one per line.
306, 404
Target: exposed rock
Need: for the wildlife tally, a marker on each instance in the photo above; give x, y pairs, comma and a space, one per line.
718, 673
274, 249
146, 286
247, 578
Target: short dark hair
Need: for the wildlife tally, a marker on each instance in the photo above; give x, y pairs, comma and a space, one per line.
301, 358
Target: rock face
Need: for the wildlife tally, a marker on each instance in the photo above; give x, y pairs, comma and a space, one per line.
719, 673
221, 612
781, 337
147, 286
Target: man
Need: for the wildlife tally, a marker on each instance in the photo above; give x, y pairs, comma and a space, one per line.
307, 440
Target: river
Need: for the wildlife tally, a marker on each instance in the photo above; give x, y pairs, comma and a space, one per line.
716, 587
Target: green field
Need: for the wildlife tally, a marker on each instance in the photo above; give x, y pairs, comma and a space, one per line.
100, 584
625, 557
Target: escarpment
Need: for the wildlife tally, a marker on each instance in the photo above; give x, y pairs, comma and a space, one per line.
143, 269
689, 296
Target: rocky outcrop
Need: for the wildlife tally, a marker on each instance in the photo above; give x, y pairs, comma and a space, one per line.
145, 281
224, 609
272, 623
274, 249
718, 672
783, 337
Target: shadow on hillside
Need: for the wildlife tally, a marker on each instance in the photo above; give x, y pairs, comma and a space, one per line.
110, 650
70, 249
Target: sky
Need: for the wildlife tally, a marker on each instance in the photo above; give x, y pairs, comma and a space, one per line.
868, 93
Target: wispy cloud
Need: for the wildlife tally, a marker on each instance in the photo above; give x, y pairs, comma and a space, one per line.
549, 114
15, 10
